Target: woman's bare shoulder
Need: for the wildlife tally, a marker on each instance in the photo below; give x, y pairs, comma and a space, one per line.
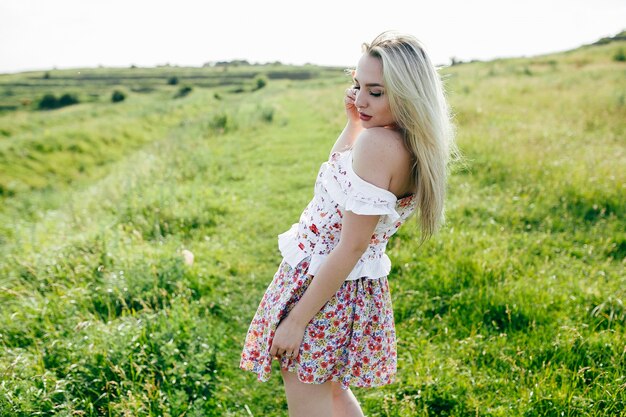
376, 155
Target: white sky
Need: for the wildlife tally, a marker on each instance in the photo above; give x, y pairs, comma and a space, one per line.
42, 34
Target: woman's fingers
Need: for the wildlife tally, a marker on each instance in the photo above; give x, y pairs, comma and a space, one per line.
277, 352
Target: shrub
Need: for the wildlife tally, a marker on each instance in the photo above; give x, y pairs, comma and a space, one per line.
221, 122
117, 96
67, 100
267, 114
619, 56
48, 101
172, 80
183, 91
260, 81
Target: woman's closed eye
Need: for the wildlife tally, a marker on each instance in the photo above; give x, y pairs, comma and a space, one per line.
372, 92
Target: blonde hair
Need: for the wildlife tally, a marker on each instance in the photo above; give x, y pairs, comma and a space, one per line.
418, 104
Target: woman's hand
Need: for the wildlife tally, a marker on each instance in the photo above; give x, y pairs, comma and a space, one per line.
352, 129
287, 339
351, 110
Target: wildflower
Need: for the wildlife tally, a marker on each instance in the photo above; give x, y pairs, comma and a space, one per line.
188, 257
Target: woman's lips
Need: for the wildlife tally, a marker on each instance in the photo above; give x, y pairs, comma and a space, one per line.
364, 117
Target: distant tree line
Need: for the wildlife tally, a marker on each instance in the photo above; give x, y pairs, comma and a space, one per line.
237, 63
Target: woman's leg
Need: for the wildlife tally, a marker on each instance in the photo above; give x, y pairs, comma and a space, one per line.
345, 403
307, 400
324, 400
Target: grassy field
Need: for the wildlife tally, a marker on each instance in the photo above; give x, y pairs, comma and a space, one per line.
515, 309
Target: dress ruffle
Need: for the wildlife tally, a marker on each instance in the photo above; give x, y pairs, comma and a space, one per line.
355, 194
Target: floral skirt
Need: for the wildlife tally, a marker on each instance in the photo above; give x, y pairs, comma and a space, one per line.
351, 340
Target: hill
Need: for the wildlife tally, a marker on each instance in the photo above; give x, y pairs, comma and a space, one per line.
516, 308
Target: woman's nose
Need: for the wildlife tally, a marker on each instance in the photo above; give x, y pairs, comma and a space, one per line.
359, 101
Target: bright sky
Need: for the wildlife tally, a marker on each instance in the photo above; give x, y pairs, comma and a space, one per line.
42, 34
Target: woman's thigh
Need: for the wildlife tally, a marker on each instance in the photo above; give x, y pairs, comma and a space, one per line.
307, 400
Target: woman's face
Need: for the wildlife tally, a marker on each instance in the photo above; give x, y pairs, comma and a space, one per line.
371, 98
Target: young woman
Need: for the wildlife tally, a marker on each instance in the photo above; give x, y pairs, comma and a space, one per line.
327, 315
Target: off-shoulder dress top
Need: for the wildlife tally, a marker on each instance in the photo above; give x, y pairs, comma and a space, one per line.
337, 189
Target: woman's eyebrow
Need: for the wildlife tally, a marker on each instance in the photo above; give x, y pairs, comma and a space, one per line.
370, 84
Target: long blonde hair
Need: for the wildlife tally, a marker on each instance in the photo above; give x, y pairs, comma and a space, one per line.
418, 103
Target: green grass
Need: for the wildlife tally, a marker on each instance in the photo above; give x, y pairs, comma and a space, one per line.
516, 308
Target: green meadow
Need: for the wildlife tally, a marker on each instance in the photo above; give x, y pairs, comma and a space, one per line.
516, 308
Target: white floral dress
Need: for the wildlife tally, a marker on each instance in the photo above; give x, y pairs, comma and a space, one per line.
351, 340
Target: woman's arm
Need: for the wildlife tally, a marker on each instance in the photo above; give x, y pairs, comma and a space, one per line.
356, 233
